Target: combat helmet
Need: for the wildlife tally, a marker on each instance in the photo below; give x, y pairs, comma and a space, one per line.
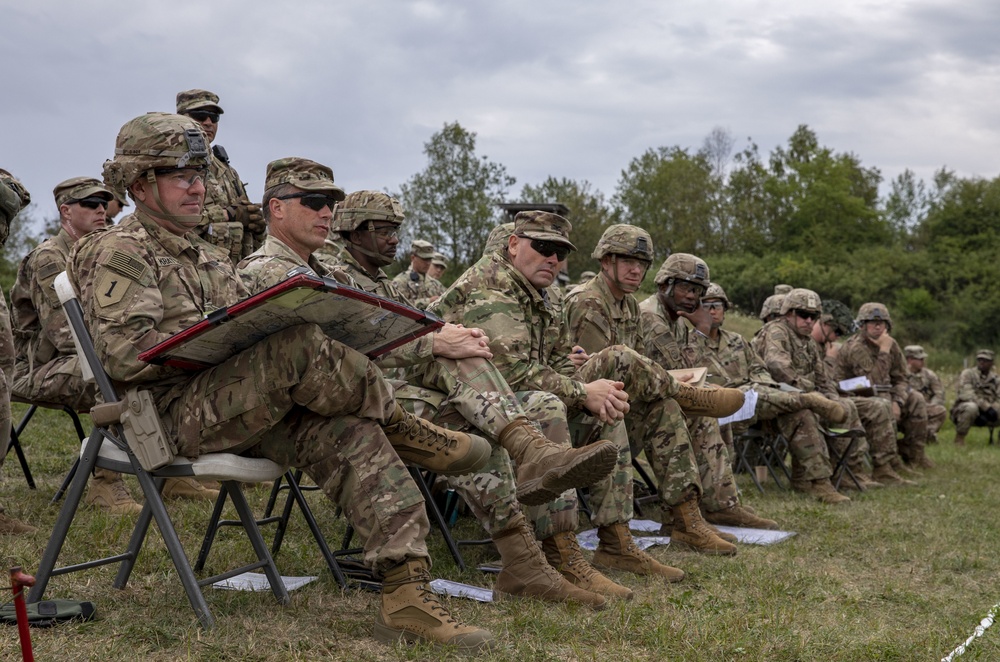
837, 315
771, 307
627, 240
715, 291
683, 266
873, 311
801, 299
365, 207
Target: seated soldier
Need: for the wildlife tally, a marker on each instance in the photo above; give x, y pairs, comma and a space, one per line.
414, 283
925, 381
296, 397
978, 399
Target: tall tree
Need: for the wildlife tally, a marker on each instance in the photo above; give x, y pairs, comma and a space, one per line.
452, 202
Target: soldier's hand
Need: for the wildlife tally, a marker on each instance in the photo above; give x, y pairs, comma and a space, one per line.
884, 342
607, 400
578, 356
454, 341
248, 215
700, 319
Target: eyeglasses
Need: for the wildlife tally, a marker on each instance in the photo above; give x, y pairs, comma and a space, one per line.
92, 203
550, 248
182, 178
385, 234
713, 305
683, 288
807, 315
314, 201
632, 262
202, 115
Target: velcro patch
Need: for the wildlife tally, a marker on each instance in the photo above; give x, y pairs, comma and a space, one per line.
127, 265
167, 261
50, 269
111, 288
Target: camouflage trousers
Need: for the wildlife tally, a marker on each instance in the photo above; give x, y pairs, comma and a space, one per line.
936, 415
303, 400
875, 415
913, 425
60, 382
966, 414
715, 465
6, 377
800, 426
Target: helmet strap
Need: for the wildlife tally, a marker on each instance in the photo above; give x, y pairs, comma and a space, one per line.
188, 221
372, 253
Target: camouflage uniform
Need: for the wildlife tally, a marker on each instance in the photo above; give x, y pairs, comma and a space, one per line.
926, 382
977, 395
417, 288
13, 198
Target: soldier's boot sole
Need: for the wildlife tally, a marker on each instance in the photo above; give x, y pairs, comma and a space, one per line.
585, 467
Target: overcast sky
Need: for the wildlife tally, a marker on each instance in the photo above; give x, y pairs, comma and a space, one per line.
565, 88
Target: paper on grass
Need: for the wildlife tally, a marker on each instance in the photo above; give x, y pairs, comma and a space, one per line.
255, 581
460, 590
588, 539
744, 413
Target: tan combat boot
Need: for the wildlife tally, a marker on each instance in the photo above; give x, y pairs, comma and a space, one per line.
959, 439
618, 551
437, 449
411, 612
13, 527
691, 532
667, 528
712, 402
821, 489
546, 469
885, 475
187, 488
903, 470
739, 516
563, 552
526, 574
922, 461
107, 491
827, 409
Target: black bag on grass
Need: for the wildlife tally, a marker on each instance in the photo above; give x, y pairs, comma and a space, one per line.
49, 612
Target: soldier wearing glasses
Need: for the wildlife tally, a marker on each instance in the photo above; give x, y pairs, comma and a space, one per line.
229, 219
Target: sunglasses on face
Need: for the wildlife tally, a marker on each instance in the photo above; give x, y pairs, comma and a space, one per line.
314, 201
202, 115
807, 315
92, 203
183, 178
549, 248
713, 305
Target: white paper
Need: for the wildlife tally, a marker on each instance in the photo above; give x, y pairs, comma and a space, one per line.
255, 581
460, 590
855, 384
744, 413
588, 539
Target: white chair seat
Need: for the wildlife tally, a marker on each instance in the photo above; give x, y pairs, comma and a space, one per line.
212, 466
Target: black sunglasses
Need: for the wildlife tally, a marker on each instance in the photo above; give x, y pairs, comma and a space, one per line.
807, 315
315, 201
92, 203
550, 248
202, 115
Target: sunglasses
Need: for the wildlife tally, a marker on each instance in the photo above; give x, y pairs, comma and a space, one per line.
314, 201
385, 234
807, 315
183, 178
713, 305
92, 203
550, 248
202, 115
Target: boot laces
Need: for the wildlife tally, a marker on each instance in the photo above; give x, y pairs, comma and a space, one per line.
119, 494
418, 429
430, 598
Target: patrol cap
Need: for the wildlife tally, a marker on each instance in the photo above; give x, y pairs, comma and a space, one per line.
79, 188
985, 354
914, 352
544, 226
498, 239
303, 174
439, 260
197, 100
422, 249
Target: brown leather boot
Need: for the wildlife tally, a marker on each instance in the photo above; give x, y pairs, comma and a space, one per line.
107, 491
885, 475
739, 516
693, 533
526, 574
902, 469
411, 612
437, 449
821, 490
922, 461
667, 528
546, 469
187, 488
563, 553
959, 439
13, 527
827, 409
618, 551
713, 402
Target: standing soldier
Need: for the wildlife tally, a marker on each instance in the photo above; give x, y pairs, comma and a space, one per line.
230, 220
925, 381
13, 198
978, 399
414, 283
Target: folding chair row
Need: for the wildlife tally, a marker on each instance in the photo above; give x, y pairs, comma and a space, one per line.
17, 430
762, 446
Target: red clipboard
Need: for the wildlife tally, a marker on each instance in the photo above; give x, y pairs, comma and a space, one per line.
371, 324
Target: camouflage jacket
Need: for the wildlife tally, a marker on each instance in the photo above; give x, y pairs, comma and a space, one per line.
418, 289
138, 285
793, 359
530, 347
973, 386
222, 189
926, 382
41, 333
731, 361
859, 356
595, 320
272, 263
669, 343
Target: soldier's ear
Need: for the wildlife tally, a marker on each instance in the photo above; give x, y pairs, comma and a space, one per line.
139, 189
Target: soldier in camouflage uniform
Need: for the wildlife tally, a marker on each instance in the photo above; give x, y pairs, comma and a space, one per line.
47, 368
230, 220
414, 283
736, 365
13, 198
604, 312
925, 381
978, 399
771, 308
451, 382
507, 294
296, 397
120, 199
873, 353
681, 281
438, 265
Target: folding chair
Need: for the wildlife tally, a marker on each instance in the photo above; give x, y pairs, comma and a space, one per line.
117, 456
839, 460
764, 444
17, 430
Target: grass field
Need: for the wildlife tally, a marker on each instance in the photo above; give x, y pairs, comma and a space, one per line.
901, 574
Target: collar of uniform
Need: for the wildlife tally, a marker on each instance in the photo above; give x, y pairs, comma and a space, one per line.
274, 247
536, 296
64, 241
175, 245
617, 307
